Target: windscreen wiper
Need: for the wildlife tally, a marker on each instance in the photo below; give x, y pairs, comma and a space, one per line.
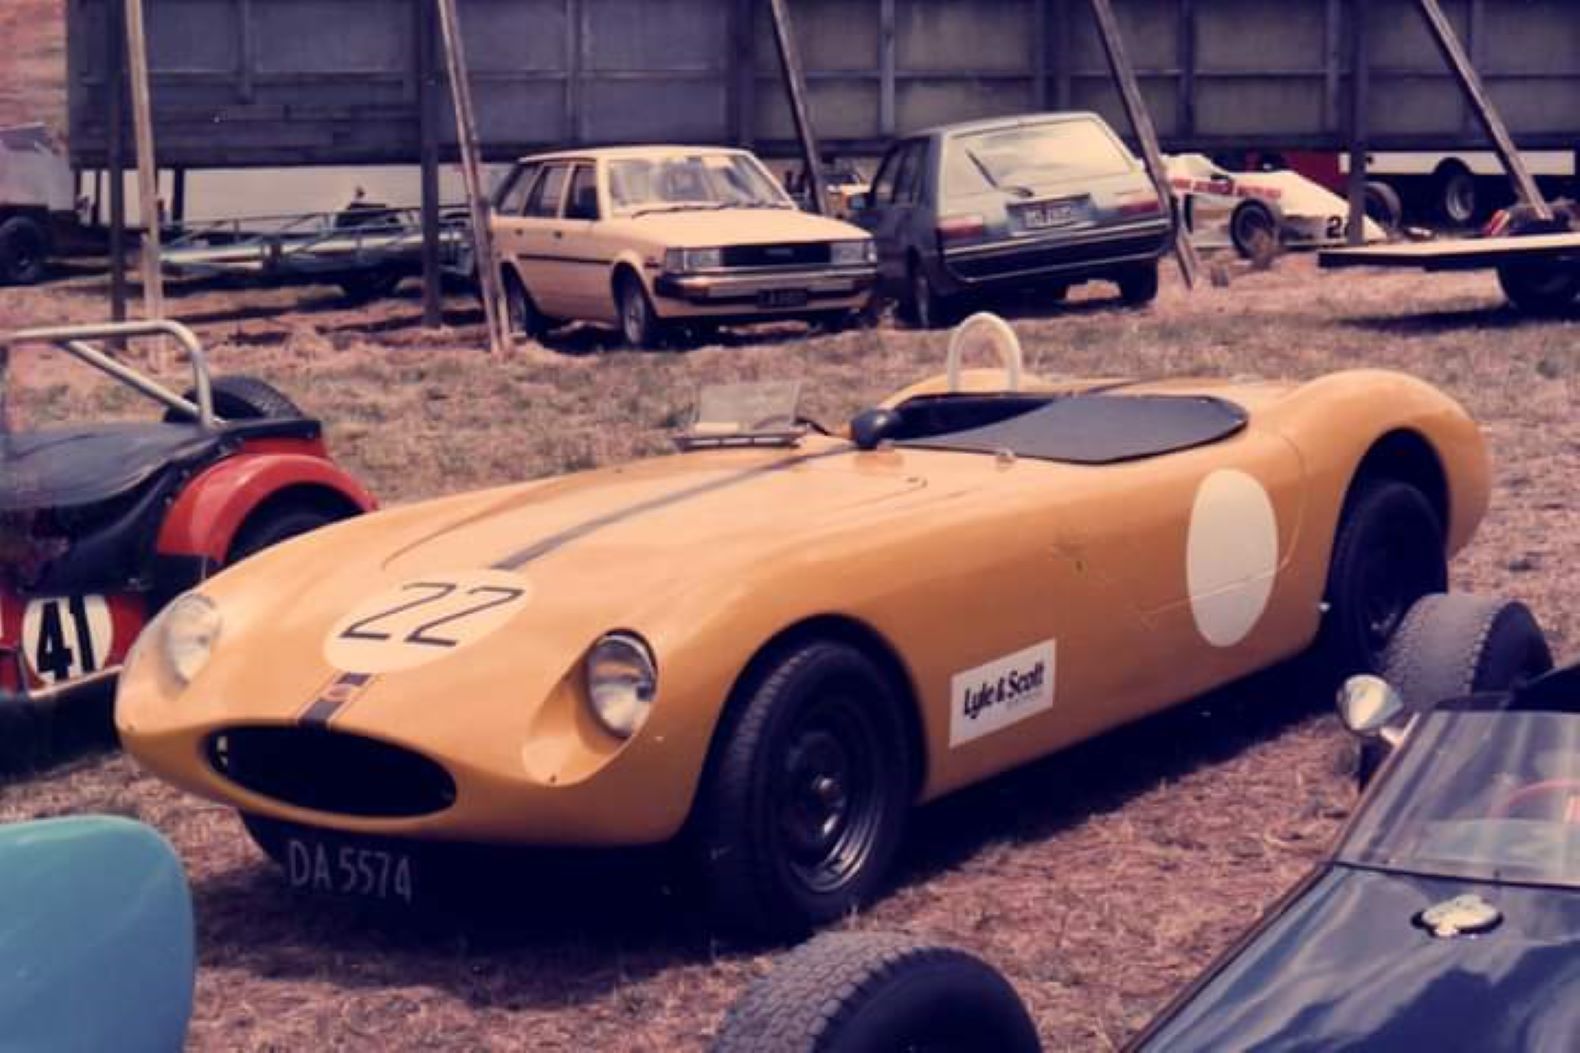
1008, 188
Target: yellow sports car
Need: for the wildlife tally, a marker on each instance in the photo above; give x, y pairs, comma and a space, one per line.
776, 641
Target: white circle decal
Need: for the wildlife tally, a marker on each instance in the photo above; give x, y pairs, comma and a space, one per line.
67, 636
425, 619
1231, 556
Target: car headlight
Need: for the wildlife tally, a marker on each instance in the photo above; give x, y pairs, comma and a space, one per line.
191, 627
622, 679
683, 261
854, 253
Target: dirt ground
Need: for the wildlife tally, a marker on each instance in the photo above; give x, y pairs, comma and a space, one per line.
1100, 881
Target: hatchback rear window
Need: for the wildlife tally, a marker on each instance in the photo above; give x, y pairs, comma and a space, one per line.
1032, 156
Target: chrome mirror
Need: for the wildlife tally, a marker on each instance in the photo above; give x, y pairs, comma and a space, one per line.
1369, 705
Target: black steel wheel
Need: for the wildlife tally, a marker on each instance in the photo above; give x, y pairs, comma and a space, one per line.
806, 794
865, 992
1389, 552
24, 251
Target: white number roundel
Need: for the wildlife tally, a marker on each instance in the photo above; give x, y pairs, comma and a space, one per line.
424, 620
67, 637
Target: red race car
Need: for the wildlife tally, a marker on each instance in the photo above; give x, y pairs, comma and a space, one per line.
102, 524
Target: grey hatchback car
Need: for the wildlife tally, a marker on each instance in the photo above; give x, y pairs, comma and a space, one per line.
1039, 202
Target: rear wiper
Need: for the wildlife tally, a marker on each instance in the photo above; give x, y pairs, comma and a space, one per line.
1008, 188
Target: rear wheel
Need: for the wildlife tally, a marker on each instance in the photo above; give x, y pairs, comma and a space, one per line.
521, 312
1138, 286
1254, 230
1455, 195
639, 324
1384, 206
24, 251
272, 526
856, 992
805, 798
925, 306
241, 397
1389, 553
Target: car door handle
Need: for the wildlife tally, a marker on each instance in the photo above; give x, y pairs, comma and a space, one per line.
559, 234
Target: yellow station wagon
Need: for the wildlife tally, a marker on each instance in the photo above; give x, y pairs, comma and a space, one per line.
659, 238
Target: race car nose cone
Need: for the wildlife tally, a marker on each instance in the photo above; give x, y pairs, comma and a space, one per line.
1467, 915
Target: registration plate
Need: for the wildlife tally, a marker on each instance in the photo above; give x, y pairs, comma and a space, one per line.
782, 298
343, 869
1050, 214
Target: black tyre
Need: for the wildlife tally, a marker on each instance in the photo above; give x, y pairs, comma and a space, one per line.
1253, 228
852, 992
1454, 644
367, 286
1455, 196
925, 306
241, 397
1384, 206
1389, 552
805, 797
1540, 287
269, 527
521, 312
639, 323
24, 251
1138, 285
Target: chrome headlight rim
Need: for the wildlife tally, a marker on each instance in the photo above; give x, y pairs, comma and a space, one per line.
188, 629
853, 253
690, 261
621, 682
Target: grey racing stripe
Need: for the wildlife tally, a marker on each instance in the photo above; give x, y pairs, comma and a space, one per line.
537, 550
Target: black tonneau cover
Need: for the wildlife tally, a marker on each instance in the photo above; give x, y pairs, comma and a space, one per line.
1100, 429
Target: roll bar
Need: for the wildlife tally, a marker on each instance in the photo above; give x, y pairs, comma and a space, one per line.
985, 328
73, 339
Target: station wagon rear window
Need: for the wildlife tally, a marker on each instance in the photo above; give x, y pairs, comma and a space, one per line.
1031, 156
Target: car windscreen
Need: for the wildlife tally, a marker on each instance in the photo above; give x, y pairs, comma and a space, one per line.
1031, 156
1477, 793
697, 180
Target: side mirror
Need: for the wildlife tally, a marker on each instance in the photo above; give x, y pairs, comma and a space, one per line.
870, 427
1369, 706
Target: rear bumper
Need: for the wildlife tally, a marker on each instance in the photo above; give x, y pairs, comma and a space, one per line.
1067, 254
743, 294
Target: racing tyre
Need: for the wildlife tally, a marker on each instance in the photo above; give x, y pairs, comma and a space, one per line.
1455, 196
1138, 286
242, 397
806, 793
24, 251
1540, 288
270, 527
521, 313
1389, 552
858, 992
1253, 229
1384, 206
639, 323
925, 306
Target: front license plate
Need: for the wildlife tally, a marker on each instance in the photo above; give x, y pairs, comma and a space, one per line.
782, 298
338, 868
1051, 214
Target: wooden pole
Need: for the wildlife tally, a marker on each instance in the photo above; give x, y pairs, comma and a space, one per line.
499, 336
1481, 103
795, 88
1146, 133
1360, 106
147, 168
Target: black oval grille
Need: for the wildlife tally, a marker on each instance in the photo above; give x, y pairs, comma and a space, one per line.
329, 771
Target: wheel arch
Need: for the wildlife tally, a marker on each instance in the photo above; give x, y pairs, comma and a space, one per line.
317, 497
1407, 456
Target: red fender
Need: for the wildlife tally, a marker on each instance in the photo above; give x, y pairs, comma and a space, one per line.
212, 507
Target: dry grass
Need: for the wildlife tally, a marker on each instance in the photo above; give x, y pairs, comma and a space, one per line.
1100, 881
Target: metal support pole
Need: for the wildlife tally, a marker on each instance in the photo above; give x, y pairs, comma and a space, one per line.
472, 172
147, 167
1146, 134
116, 161
428, 102
1481, 103
1360, 104
795, 87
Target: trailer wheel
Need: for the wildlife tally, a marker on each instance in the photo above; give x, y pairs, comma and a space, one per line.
24, 251
1540, 288
365, 286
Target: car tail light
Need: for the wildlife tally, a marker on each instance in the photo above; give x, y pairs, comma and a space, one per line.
1141, 206
961, 228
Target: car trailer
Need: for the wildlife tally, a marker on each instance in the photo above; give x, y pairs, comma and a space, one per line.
1539, 273
367, 251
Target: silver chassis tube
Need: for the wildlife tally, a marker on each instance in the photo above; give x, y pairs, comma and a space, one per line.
73, 340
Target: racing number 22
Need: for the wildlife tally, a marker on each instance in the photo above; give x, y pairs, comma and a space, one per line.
477, 599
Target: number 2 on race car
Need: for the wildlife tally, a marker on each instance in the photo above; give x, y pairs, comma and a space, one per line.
66, 637
424, 620
496, 596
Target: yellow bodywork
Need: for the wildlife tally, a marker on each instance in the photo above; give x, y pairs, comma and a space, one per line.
946, 560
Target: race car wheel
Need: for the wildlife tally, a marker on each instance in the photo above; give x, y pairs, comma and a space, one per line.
639, 323
24, 251
270, 527
806, 794
1138, 285
1540, 287
1389, 552
1384, 206
1253, 229
242, 397
855, 992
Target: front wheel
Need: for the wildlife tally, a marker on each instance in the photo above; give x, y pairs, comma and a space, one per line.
855, 992
272, 526
1253, 228
805, 798
639, 324
1389, 552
